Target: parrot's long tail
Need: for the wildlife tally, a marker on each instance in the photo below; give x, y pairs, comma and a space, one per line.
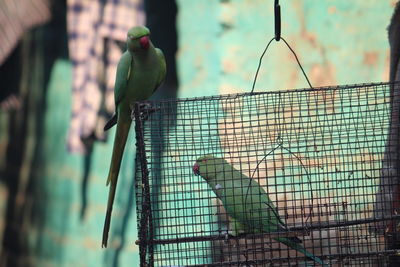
301, 249
119, 145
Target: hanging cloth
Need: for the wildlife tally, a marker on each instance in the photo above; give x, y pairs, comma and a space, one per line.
18, 16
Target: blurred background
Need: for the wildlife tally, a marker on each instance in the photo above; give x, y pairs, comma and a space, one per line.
57, 69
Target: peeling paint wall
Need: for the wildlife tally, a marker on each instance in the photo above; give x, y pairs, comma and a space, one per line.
337, 42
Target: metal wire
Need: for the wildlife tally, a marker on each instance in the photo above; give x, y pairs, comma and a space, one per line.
317, 153
262, 56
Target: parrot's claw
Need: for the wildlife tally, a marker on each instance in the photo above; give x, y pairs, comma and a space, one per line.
307, 227
146, 110
226, 235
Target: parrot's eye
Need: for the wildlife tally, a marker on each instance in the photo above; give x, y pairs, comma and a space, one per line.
196, 169
204, 160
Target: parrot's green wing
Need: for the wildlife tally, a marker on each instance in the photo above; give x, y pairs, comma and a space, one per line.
235, 227
124, 72
163, 68
254, 191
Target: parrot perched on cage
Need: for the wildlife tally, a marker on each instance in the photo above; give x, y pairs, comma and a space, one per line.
140, 72
246, 202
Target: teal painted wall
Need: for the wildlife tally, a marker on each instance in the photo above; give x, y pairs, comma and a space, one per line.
337, 42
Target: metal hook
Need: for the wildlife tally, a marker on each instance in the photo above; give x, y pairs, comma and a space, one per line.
277, 11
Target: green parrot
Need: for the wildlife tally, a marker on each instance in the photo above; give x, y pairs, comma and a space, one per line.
245, 201
140, 72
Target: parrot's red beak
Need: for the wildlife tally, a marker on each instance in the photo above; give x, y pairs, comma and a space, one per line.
144, 42
196, 169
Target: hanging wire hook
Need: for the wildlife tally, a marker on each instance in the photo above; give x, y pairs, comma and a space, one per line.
277, 11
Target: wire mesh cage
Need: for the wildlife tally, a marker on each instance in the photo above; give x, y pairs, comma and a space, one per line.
238, 179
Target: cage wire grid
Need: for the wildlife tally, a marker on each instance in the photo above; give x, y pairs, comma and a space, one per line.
322, 155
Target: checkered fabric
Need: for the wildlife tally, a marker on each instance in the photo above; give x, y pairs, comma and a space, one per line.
95, 29
17, 16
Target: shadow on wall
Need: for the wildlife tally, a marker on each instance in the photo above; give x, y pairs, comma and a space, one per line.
26, 73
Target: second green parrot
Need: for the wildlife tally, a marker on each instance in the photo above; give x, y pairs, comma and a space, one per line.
245, 201
140, 72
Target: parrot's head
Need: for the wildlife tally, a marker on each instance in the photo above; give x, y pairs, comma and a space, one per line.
138, 38
209, 166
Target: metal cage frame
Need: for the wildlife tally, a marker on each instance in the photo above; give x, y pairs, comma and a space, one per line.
290, 120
